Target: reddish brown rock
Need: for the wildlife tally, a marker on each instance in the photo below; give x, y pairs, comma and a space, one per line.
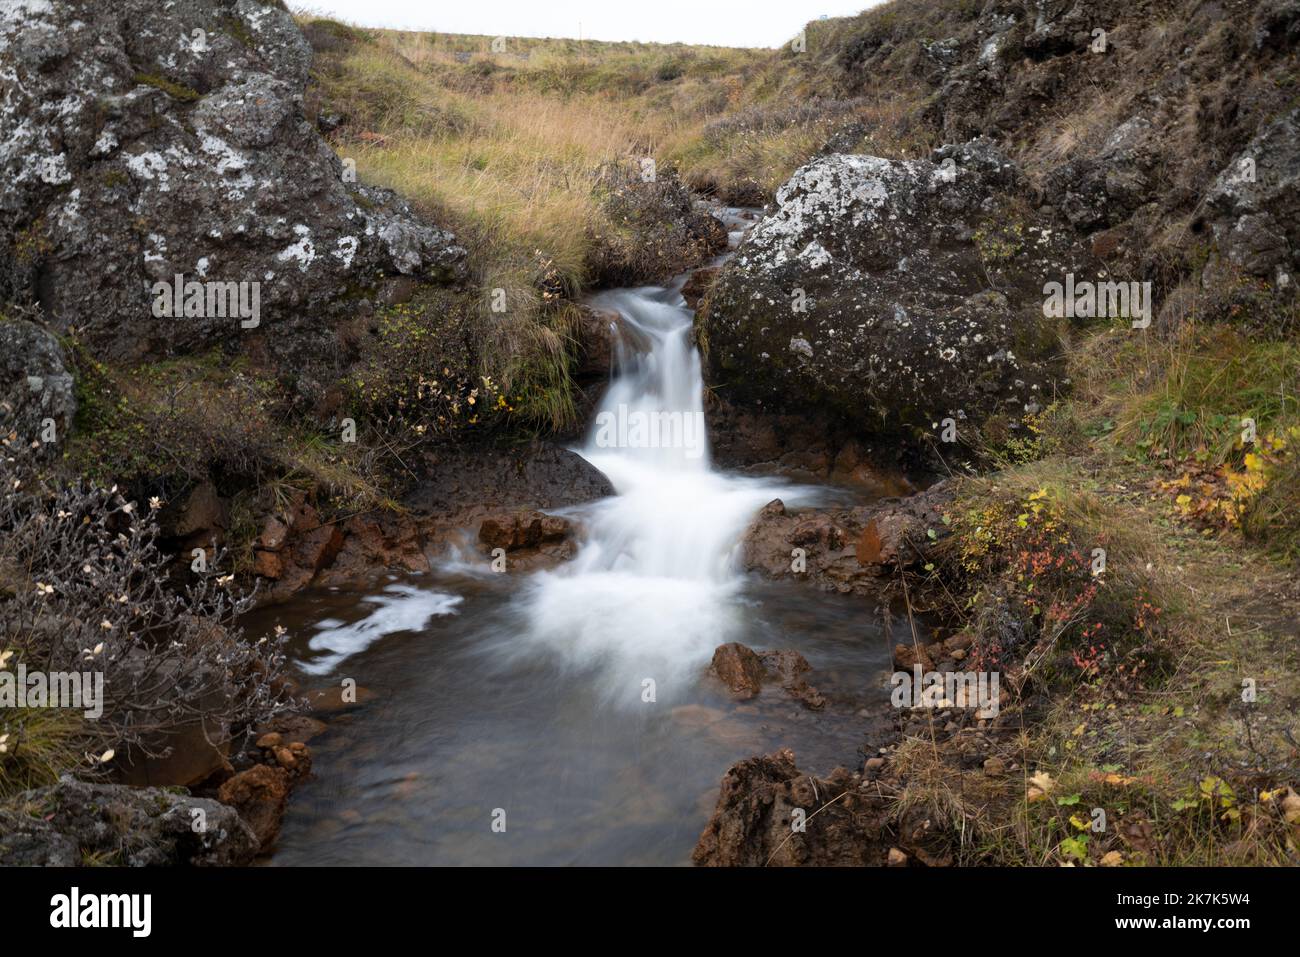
267, 564
906, 657
273, 535
260, 795
291, 727
752, 824
698, 284
739, 668
597, 331
317, 548
522, 529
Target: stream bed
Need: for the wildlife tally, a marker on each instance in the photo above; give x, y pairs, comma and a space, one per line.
567, 716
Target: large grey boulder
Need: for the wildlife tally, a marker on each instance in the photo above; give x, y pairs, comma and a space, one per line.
73, 822
141, 140
894, 294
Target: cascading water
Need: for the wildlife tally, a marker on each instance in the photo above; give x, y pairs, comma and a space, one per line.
528, 693
654, 589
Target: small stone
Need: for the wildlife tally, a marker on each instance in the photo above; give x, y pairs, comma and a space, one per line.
897, 858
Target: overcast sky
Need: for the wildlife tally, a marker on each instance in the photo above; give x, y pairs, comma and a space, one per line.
733, 23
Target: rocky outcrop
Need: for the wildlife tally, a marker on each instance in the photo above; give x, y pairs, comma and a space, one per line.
893, 294
73, 823
1254, 209
848, 550
764, 817
145, 141
662, 229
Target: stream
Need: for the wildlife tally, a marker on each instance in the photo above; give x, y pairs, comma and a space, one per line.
572, 708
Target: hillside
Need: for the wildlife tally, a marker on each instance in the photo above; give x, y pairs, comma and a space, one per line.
1093, 494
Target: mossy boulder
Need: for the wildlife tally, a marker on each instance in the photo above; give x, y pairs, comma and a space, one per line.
894, 294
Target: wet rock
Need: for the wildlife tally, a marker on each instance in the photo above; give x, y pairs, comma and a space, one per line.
513, 530
36, 389
745, 671
894, 294
849, 550
739, 668
698, 284
293, 727
907, 657
751, 825
334, 699
134, 153
597, 331
260, 796
540, 475
64, 824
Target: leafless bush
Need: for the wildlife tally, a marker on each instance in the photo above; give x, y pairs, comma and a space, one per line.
85, 588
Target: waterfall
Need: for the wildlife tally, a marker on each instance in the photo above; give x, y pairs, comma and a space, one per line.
655, 586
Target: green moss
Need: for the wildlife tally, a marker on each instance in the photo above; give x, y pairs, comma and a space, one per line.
177, 91
238, 29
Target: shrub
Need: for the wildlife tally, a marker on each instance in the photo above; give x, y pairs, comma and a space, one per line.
85, 588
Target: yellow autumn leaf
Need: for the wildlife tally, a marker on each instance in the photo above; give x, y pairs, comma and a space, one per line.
1112, 859
1043, 782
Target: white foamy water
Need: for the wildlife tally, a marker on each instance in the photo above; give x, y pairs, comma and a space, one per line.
399, 608
655, 588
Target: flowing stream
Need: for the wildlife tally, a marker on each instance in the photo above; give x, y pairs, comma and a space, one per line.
574, 703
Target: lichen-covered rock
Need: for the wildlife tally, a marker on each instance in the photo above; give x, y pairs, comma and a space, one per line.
1102, 189
1254, 208
140, 141
37, 399
74, 822
894, 294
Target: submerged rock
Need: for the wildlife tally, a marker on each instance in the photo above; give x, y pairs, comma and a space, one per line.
893, 294
745, 671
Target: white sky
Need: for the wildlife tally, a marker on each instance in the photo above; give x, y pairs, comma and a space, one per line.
732, 23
